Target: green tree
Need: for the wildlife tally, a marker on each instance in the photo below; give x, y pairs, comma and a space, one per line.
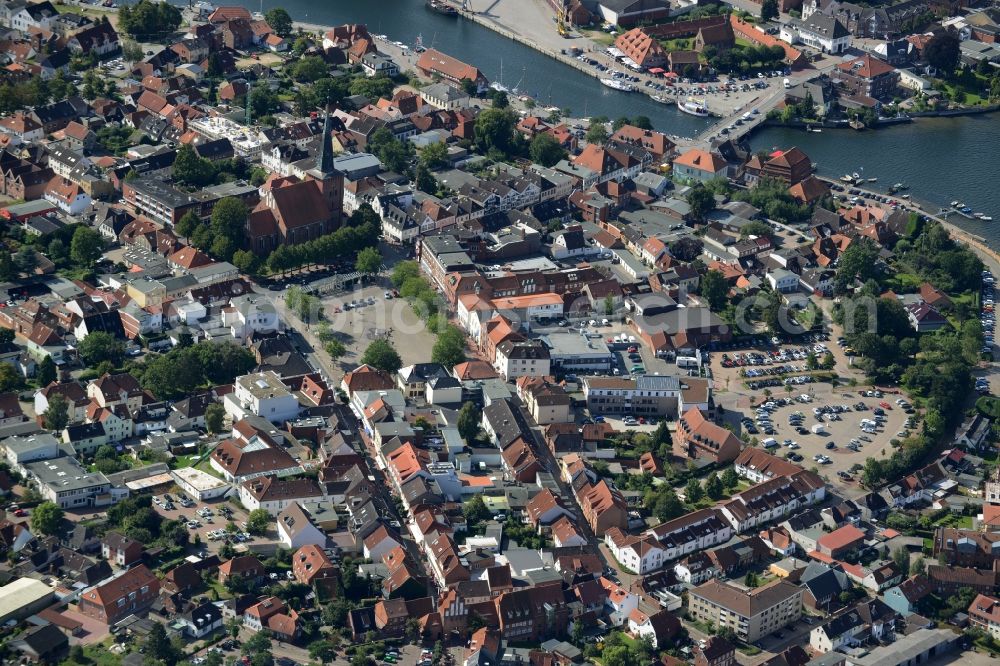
714, 488
667, 505
942, 51
714, 289
279, 20
149, 21
215, 417
769, 10
245, 261
449, 348
47, 518
187, 224
369, 261
730, 479
101, 346
322, 651
7, 271
494, 129
702, 202
26, 259
382, 355
597, 133
191, 170
901, 558
373, 88
434, 155
468, 421
258, 521
425, 180
57, 412
86, 246
309, 69
693, 491
158, 646
469, 87
229, 217
475, 510
335, 348
46, 372
546, 150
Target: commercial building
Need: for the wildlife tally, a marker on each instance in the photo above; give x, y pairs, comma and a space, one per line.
751, 614
65, 482
199, 485
23, 597
647, 395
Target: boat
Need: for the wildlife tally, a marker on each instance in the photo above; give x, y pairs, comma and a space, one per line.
954, 204
618, 85
856, 176
847, 178
872, 180
901, 186
694, 107
418, 44
662, 99
441, 7
978, 216
986, 218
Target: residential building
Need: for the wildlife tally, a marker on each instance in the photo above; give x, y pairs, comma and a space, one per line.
697, 437
751, 614
130, 592
984, 614
261, 394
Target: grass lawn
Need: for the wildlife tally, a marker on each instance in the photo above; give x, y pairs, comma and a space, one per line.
206, 466
99, 655
676, 44
955, 520
600, 37
746, 43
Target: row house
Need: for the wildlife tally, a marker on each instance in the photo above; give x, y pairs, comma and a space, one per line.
690, 533
773, 500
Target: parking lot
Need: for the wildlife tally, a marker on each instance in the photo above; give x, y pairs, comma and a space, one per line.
204, 524
836, 417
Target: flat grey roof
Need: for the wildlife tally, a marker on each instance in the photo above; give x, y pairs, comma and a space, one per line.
65, 474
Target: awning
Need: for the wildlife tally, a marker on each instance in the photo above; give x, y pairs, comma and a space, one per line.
656, 70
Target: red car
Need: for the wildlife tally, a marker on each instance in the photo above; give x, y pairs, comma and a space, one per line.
642, 420
633, 349
20, 513
884, 405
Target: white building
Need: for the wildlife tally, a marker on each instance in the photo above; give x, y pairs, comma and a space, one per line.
445, 97
66, 483
529, 358
783, 280
198, 485
296, 528
21, 450
638, 554
250, 314
820, 31
261, 394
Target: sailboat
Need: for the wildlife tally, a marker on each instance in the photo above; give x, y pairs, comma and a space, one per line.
498, 84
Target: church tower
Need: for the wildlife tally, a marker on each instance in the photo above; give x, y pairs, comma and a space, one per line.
329, 180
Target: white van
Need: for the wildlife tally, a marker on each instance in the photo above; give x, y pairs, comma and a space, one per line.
769, 443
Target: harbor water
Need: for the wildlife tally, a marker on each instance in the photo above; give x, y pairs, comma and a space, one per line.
941, 159
549, 81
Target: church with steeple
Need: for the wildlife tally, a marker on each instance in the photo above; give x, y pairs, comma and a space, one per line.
296, 210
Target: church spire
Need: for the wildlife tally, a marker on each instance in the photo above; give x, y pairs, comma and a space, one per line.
326, 153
